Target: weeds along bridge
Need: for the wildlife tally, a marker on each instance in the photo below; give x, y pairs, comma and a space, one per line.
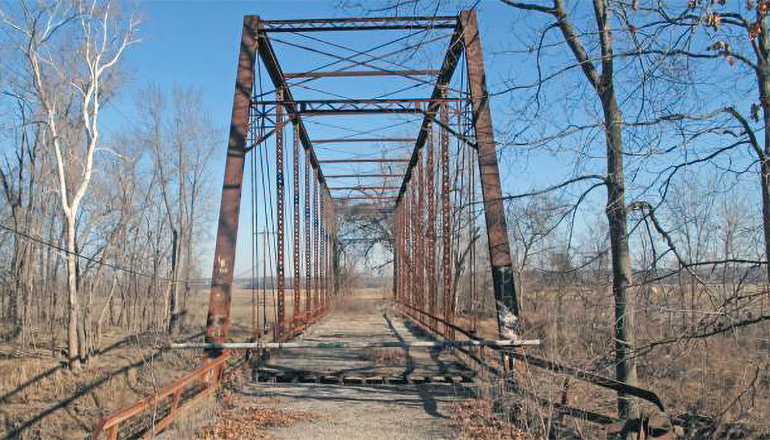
354, 146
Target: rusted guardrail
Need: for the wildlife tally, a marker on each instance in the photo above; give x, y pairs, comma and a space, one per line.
612, 424
205, 378
198, 384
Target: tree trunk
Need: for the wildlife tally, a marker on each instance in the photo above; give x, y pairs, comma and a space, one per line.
86, 341
765, 182
625, 369
72, 287
100, 320
173, 290
763, 78
763, 82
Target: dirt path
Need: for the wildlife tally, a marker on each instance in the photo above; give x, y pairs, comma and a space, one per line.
363, 410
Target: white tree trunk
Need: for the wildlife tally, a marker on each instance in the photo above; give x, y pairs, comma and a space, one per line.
72, 287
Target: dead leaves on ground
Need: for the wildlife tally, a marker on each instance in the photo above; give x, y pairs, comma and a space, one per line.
477, 420
251, 423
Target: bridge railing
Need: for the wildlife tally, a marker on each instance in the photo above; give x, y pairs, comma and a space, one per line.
179, 395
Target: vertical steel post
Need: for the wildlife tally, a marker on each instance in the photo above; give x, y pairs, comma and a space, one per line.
407, 249
415, 246
316, 224
446, 219
405, 261
279, 222
494, 211
472, 254
322, 244
420, 248
396, 253
400, 252
329, 248
296, 279
308, 249
412, 248
508, 322
218, 319
336, 252
430, 233
329, 251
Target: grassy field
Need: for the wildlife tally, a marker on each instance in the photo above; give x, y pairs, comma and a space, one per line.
721, 377
41, 398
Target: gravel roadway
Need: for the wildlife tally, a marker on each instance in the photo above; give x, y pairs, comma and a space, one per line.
363, 411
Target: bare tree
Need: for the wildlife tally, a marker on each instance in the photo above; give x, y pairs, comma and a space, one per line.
181, 138
102, 39
601, 79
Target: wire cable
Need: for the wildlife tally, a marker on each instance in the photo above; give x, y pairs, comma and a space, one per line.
100, 262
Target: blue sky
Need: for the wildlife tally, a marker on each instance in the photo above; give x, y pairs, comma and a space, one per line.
195, 43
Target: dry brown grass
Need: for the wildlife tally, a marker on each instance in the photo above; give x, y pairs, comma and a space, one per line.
41, 398
476, 419
719, 377
361, 302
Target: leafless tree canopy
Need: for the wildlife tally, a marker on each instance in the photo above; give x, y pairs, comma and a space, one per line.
98, 229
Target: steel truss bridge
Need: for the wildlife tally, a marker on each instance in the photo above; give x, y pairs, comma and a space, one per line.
418, 191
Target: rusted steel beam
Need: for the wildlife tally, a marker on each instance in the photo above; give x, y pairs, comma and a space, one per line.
366, 27
362, 188
259, 141
363, 111
350, 176
296, 281
447, 69
362, 140
396, 256
430, 232
279, 200
210, 374
392, 160
401, 209
322, 270
348, 20
409, 248
329, 233
400, 252
377, 197
361, 73
474, 293
366, 208
336, 256
446, 224
274, 71
419, 265
379, 344
308, 249
353, 62
494, 210
330, 253
360, 24
218, 319
316, 230
506, 300
327, 247
311, 104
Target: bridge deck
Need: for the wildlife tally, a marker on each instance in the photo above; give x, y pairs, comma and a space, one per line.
363, 408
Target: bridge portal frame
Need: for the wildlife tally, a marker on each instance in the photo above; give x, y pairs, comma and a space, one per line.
464, 41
